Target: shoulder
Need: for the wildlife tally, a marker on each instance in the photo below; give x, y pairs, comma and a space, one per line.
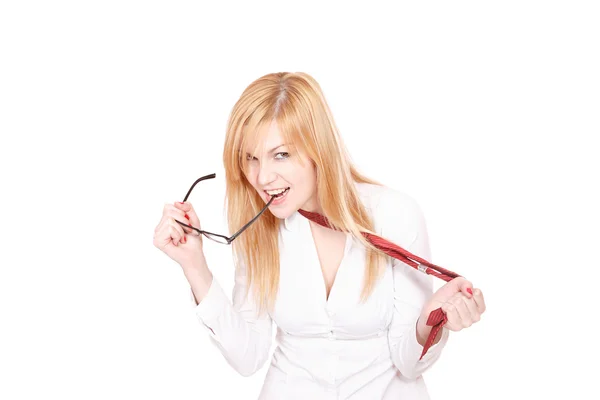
386, 203
396, 214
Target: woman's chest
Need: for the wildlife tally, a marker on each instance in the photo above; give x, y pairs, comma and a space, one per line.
303, 308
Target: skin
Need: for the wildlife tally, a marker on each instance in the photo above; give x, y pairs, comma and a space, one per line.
275, 166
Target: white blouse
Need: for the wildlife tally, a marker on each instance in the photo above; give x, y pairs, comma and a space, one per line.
333, 348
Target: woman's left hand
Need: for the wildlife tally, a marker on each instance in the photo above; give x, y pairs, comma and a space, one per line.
462, 304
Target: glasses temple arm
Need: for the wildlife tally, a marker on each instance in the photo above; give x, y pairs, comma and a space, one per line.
252, 220
209, 176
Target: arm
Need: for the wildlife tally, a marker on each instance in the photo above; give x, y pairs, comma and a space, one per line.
404, 225
243, 338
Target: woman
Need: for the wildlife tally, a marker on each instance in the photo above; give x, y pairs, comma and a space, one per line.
351, 321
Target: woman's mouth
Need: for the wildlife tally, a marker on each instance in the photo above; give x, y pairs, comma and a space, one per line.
279, 195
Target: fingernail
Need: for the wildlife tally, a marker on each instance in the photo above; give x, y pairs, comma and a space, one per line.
470, 291
180, 202
184, 239
187, 216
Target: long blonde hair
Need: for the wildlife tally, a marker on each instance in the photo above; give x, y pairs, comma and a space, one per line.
296, 102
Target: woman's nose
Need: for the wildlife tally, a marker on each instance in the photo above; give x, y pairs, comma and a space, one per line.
266, 174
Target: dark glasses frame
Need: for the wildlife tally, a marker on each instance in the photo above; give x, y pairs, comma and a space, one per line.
215, 236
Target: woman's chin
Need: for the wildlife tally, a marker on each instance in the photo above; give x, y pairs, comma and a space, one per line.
280, 213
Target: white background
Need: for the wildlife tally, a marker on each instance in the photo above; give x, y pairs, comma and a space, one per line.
486, 112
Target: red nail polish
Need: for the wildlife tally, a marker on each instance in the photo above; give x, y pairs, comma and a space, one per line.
470, 291
180, 202
184, 239
187, 216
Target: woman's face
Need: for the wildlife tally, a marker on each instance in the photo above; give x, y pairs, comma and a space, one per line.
277, 170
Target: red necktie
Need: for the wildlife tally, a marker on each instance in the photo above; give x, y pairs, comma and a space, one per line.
437, 318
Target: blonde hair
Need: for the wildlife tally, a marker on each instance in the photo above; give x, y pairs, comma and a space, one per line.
296, 102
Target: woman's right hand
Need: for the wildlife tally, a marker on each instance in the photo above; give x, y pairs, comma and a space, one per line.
182, 244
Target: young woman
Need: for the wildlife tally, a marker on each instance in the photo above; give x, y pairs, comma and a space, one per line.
351, 321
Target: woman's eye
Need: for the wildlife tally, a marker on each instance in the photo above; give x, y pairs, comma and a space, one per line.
249, 157
282, 155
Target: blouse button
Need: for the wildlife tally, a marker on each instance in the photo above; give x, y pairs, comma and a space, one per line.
330, 335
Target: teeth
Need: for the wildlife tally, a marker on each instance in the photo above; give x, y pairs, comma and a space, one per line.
275, 192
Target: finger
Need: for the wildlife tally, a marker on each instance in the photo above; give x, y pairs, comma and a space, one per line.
162, 228
171, 211
182, 230
463, 310
456, 285
167, 208
188, 208
478, 298
176, 234
185, 206
175, 231
160, 225
187, 227
454, 321
473, 311
170, 214
466, 287
177, 214
166, 235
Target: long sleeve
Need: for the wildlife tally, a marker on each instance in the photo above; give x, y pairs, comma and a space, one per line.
404, 225
243, 338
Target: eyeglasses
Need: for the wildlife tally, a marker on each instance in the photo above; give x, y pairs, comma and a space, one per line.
215, 236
